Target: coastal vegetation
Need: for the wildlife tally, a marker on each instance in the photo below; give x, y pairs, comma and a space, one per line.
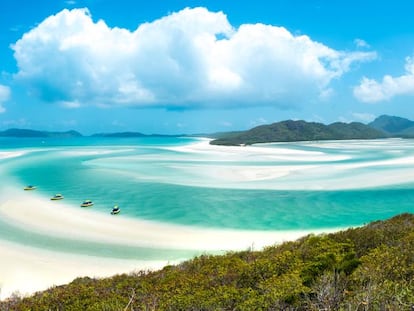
288, 131
364, 268
284, 131
394, 126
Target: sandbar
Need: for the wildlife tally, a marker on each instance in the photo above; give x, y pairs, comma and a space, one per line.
26, 269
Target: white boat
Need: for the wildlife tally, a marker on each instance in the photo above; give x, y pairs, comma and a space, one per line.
87, 203
57, 196
115, 210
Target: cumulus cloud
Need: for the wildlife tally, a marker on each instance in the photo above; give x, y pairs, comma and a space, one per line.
371, 91
190, 59
4, 96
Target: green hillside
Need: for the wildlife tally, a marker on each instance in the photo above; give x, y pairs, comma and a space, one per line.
289, 130
366, 268
394, 126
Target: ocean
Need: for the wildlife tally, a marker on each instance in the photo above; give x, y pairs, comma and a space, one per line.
301, 186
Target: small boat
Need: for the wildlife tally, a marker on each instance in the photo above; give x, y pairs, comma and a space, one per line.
115, 210
86, 203
29, 187
57, 196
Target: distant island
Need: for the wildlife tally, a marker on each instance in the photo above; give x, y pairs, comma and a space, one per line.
394, 126
26, 133
33, 133
285, 131
289, 131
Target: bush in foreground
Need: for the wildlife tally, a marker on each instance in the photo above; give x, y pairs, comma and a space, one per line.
367, 268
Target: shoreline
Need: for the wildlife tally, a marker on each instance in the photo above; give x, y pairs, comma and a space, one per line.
28, 269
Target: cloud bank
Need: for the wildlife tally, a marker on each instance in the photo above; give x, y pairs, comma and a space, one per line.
190, 59
4, 96
371, 91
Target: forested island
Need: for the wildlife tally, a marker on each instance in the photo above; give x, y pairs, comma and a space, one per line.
365, 268
18, 133
284, 131
289, 131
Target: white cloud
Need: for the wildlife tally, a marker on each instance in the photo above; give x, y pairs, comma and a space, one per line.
4, 96
70, 104
364, 117
344, 119
326, 94
259, 121
361, 43
357, 117
193, 58
371, 91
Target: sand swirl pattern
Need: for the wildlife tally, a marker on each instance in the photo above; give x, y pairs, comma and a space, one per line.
183, 197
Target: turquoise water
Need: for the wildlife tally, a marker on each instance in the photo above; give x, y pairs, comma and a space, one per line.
297, 186
154, 183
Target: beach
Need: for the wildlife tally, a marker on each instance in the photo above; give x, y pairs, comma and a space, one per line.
250, 197
27, 269
304, 167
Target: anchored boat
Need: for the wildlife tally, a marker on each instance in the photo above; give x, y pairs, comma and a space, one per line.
87, 203
115, 210
57, 196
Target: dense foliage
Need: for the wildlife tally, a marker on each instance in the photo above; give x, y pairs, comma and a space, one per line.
367, 268
289, 130
394, 126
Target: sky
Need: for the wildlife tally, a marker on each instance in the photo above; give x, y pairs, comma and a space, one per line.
172, 66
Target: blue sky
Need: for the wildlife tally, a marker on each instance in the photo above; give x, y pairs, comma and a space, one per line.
202, 66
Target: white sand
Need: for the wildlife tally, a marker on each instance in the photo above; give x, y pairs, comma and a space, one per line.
58, 219
326, 172
10, 154
93, 151
26, 269
256, 152
239, 174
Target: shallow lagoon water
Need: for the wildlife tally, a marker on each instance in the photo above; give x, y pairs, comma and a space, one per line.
284, 186
181, 197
